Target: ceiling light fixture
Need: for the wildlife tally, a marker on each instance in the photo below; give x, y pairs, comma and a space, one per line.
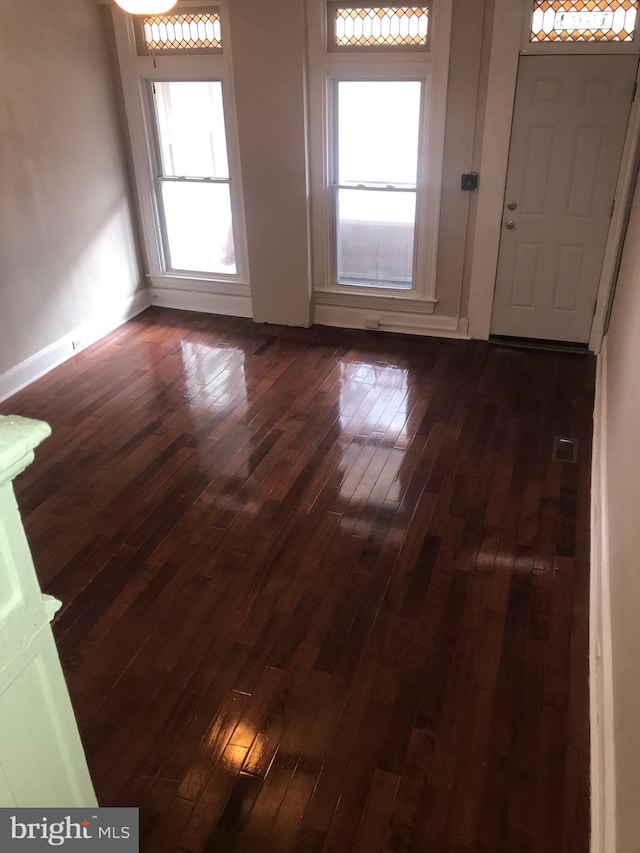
146, 7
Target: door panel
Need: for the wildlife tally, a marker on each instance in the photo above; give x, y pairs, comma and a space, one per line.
526, 274
568, 132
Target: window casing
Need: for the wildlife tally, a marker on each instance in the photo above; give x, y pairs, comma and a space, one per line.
426, 71
180, 191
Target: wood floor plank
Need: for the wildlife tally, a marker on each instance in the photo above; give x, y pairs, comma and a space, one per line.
323, 590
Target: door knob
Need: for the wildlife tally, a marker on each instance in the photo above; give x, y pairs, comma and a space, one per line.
512, 205
509, 224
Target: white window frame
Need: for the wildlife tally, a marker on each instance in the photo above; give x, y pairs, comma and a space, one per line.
333, 81
138, 73
326, 69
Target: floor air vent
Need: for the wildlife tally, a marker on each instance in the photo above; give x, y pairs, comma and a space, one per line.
565, 449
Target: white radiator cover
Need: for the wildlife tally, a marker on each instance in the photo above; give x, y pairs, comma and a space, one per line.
42, 762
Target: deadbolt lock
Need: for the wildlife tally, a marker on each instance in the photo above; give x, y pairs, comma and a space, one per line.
512, 205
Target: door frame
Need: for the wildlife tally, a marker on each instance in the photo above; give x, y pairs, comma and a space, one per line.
506, 47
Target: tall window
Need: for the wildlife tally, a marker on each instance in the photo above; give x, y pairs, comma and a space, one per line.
378, 88
177, 80
193, 177
375, 181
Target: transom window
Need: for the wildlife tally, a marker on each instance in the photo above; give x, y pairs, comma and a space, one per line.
356, 27
584, 20
184, 31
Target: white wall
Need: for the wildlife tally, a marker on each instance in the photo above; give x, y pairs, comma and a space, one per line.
67, 250
623, 509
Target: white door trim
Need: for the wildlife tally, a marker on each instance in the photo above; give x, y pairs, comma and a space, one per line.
601, 712
618, 224
506, 39
501, 91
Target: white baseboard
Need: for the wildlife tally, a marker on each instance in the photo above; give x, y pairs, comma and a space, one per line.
41, 362
405, 322
231, 305
603, 787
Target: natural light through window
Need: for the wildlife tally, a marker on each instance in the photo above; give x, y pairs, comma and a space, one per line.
194, 177
190, 31
583, 20
378, 133
379, 26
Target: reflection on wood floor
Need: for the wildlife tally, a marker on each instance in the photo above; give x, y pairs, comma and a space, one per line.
323, 590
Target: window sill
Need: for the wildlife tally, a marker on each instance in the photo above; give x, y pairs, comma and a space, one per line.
392, 301
199, 284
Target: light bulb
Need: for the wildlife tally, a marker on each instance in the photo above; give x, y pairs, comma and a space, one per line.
146, 7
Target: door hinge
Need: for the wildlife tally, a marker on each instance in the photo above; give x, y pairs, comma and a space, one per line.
613, 204
635, 89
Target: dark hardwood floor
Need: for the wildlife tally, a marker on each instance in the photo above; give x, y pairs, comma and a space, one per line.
323, 590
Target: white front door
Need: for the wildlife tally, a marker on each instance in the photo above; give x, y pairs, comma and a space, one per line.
568, 131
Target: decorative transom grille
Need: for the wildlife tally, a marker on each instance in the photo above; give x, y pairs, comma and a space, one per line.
381, 26
193, 31
583, 20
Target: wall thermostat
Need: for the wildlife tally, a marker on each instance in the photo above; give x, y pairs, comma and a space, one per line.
469, 181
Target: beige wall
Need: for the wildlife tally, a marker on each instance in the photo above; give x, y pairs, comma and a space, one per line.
623, 479
467, 80
67, 251
270, 105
